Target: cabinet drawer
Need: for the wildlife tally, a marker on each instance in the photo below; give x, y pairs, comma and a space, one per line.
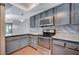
57, 42
71, 52
73, 46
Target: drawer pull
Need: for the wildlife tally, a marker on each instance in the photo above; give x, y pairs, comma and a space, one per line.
76, 49
59, 45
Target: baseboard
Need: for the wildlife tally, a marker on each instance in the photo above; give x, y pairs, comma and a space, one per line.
32, 47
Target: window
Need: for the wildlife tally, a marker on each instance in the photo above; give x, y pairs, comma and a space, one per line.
8, 28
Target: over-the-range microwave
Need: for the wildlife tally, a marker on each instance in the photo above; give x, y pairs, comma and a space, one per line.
46, 21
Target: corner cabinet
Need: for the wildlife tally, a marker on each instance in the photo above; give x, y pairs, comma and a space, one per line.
75, 13
32, 22
33, 41
62, 14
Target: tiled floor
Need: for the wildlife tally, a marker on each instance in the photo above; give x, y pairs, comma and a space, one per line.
26, 51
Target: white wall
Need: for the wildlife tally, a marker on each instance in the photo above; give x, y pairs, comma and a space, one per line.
21, 28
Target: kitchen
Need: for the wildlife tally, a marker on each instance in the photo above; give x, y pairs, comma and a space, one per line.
47, 28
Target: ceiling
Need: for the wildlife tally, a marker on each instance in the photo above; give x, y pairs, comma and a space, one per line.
22, 11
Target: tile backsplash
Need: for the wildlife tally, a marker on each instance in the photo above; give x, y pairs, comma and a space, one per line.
66, 28
71, 29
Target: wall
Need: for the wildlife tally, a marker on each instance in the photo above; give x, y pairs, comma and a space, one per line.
20, 27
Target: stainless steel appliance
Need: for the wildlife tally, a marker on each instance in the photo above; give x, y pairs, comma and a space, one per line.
45, 41
46, 21
48, 32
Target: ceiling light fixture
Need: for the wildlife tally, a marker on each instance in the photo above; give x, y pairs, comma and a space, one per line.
22, 20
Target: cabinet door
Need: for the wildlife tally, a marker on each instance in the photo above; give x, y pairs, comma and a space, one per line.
43, 14
23, 42
58, 48
71, 52
34, 41
32, 22
72, 48
62, 14
49, 12
37, 20
11, 46
75, 13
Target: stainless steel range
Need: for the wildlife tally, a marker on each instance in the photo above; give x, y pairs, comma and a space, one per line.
44, 42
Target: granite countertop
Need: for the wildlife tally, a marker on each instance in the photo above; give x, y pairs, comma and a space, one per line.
15, 35
59, 36
67, 37
34, 34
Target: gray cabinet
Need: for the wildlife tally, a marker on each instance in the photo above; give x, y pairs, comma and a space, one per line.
62, 14
22, 42
37, 20
72, 48
43, 14
17, 43
58, 47
33, 41
32, 22
11, 46
49, 12
75, 13
71, 52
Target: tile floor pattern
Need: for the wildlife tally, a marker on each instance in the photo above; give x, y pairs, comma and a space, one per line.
26, 51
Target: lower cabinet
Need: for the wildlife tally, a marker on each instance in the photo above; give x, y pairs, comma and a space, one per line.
71, 52
33, 41
58, 47
58, 50
72, 48
11, 46
23, 42
16, 44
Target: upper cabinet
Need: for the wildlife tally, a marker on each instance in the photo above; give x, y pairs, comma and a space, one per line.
32, 22
37, 20
75, 13
43, 14
49, 12
62, 14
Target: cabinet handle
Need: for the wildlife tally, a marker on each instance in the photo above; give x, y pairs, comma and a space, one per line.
76, 49
58, 45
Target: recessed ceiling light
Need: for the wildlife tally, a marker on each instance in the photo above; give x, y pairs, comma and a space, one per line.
22, 20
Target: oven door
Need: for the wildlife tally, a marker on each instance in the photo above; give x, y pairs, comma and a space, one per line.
44, 42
